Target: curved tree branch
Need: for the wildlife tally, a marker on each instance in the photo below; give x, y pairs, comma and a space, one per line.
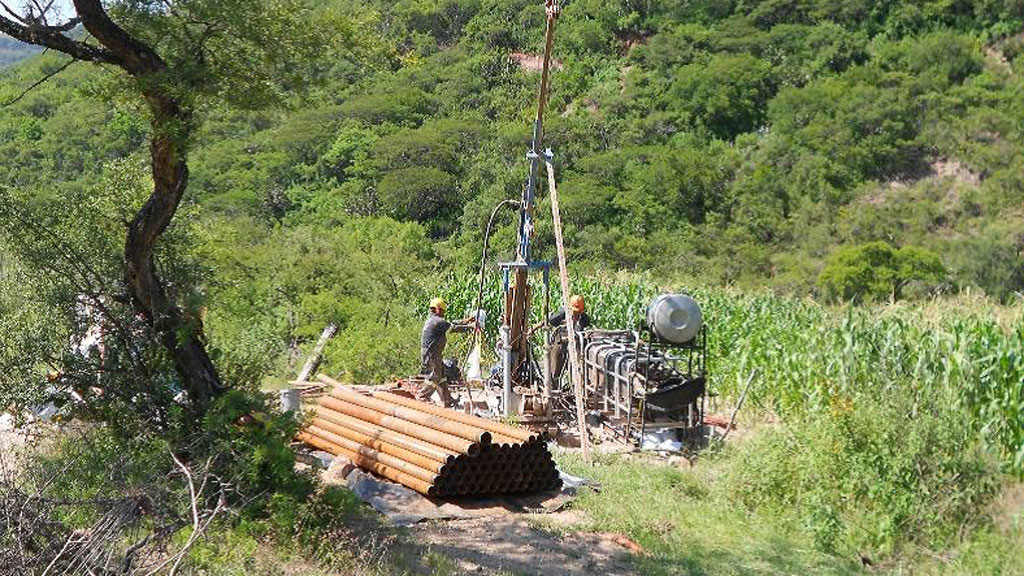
134, 56
53, 37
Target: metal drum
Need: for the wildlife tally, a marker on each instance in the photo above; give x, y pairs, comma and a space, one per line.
674, 318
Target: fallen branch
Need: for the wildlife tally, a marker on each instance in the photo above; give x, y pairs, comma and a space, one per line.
314, 358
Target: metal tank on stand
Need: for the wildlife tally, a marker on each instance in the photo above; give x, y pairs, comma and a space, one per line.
653, 379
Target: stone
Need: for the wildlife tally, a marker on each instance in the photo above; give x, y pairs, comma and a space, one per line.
339, 469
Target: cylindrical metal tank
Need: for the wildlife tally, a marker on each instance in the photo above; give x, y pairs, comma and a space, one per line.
674, 318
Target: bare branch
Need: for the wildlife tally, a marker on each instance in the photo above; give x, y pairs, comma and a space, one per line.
67, 26
13, 14
199, 525
38, 83
41, 17
53, 37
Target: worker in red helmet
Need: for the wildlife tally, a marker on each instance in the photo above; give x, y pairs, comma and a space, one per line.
433, 340
559, 347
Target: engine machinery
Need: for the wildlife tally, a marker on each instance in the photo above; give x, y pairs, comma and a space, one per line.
652, 379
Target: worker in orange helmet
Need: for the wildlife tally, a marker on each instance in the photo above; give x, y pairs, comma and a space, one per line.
432, 344
559, 348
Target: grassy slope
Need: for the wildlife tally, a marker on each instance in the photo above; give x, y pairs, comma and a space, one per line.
688, 527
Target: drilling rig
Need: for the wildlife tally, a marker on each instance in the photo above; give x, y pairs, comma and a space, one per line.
519, 376
635, 380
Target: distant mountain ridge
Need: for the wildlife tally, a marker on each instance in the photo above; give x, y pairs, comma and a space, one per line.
13, 51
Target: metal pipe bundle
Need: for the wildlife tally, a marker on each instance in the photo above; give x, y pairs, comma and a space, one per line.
433, 450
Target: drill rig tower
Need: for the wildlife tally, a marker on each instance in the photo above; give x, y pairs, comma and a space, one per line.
526, 392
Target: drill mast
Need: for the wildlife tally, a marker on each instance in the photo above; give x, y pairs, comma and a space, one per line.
518, 294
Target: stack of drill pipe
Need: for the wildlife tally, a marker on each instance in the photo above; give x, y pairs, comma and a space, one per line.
433, 450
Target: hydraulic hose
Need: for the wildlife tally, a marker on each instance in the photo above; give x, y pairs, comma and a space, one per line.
480, 281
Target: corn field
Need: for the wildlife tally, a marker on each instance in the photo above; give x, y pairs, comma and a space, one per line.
963, 353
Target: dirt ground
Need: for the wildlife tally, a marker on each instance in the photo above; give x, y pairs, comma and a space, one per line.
515, 545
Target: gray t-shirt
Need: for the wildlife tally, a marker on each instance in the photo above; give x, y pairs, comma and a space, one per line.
435, 334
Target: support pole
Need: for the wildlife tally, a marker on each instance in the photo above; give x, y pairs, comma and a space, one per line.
575, 370
506, 372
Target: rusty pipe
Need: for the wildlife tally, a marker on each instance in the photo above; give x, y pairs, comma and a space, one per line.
404, 441
460, 445
374, 466
475, 421
370, 453
439, 423
383, 447
506, 440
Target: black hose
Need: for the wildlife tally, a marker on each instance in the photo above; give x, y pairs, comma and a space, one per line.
480, 283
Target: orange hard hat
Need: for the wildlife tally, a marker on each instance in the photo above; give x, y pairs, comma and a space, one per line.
576, 303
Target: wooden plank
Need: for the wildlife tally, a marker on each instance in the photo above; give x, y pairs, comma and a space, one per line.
575, 368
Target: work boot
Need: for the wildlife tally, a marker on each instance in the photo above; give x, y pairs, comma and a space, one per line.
446, 397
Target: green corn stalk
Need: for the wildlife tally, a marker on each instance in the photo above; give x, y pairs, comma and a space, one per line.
809, 356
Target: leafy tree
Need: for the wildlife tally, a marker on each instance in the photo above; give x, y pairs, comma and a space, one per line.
418, 193
944, 57
175, 60
444, 20
398, 104
351, 145
876, 270
727, 95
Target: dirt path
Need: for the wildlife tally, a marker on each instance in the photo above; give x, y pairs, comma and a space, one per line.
514, 545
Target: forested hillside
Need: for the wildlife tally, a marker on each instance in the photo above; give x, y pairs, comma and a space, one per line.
772, 158
737, 142
12, 51
744, 143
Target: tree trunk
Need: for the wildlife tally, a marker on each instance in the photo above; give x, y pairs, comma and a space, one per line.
179, 334
171, 125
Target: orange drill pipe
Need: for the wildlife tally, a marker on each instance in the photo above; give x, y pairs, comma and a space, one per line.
520, 435
439, 423
383, 447
401, 440
390, 461
402, 478
460, 445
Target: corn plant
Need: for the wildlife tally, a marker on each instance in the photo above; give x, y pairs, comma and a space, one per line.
807, 357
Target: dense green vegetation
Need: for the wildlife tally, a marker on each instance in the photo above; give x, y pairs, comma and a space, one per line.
744, 143
894, 423
800, 151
